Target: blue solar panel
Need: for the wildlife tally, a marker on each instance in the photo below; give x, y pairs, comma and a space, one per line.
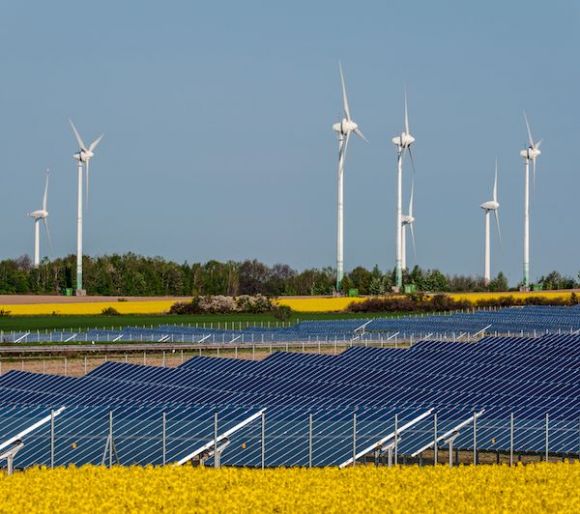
525, 378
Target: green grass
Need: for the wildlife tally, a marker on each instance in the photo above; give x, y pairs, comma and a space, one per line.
8, 323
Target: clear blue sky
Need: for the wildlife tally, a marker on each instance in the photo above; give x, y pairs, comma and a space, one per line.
217, 119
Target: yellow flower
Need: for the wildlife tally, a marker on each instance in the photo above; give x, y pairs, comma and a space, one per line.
532, 488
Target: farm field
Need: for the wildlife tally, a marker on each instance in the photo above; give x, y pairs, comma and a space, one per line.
61, 306
51, 322
531, 488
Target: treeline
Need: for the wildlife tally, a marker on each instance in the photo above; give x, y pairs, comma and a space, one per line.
135, 275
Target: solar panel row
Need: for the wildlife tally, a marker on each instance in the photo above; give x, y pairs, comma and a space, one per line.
535, 319
314, 403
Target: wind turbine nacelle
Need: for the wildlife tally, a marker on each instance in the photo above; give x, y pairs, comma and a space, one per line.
404, 140
83, 156
407, 220
530, 153
345, 127
490, 206
39, 214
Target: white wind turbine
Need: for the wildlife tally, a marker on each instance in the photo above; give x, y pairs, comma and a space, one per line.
83, 156
38, 216
403, 143
343, 130
531, 153
488, 208
407, 220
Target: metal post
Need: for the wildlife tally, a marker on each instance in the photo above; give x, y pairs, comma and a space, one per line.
474, 439
263, 448
512, 439
110, 439
450, 448
163, 438
354, 439
216, 460
435, 448
310, 426
547, 436
85, 364
396, 442
52, 439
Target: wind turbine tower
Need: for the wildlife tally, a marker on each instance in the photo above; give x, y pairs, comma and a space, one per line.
343, 130
83, 156
38, 216
531, 153
403, 143
408, 220
488, 208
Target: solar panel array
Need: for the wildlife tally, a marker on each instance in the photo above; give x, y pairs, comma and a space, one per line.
531, 320
319, 409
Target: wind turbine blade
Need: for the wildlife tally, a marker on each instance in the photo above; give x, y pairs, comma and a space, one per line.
45, 196
413, 239
411, 199
412, 160
48, 236
346, 138
530, 138
497, 223
78, 136
95, 143
358, 132
406, 115
495, 184
344, 97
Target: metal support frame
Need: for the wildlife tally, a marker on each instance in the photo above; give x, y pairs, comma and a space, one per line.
474, 440
449, 442
354, 456
9, 454
383, 441
263, 445
547, 436
20, 435
435, 448
310, 439
444, 437
163, 438
511, 439
219, 438
110, 451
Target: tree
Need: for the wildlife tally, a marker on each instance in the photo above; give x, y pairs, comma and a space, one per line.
499, 283
361, 279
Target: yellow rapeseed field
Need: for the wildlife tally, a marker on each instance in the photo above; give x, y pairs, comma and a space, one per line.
474, 297
528, 489
88, 308
298, 304
334, 304
318, 303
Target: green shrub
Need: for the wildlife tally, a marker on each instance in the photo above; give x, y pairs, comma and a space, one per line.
110, 311
282, 312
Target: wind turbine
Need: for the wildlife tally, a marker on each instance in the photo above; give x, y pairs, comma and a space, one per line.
38, 216
407, 220
531, 153
343, 130
488, 208
83, 156
403, 143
